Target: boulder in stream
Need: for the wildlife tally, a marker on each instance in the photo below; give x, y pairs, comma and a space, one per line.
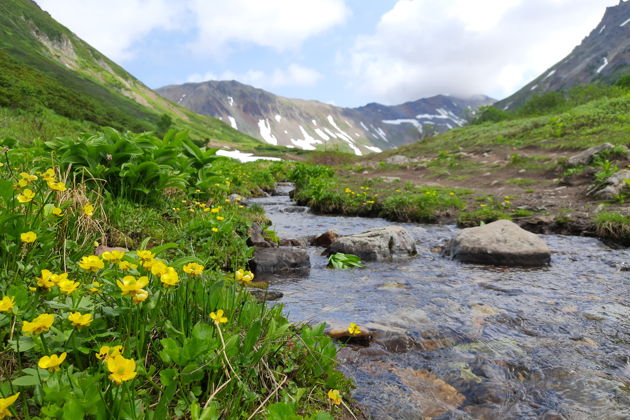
280, 261
379, 244
499, 243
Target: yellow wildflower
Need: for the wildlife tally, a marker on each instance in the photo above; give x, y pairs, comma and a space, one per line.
80, 320
45, 281
244, 276
113, 257
215, 210
170, 277
106, 351
88, 209
91, 263
130, 285
68, 286
219, 218
57, 211
193, 269
158, 268
215, 229
39, 325
139, 296
21, 184
28, 177
121, 369
26, 196
354, 329
218, 317
96, 287
126, 266
334, 396
28, 237
5, 403
48, 174
52, 362
56, 186
7, 303
56, 278
145, 255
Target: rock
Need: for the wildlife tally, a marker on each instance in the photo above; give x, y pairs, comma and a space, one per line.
102, 248
343, 335
236, 198
380, 244
614, 185
398, 160
585, 157
499, 243
301, 242
390, 179
283, 188
536, 223
280, 261
394, 342
257, 238
266, 295
325, 239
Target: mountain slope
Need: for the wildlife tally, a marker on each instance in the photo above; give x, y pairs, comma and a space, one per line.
313, 125
44, 65
602, 56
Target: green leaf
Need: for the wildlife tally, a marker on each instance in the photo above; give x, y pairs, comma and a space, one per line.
72, 410
28, 380
202, 331
252, 336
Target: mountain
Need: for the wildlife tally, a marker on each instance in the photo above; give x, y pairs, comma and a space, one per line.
311, 125
603, 56
44, 66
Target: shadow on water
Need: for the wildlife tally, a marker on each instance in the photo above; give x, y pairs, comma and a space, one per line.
456, 341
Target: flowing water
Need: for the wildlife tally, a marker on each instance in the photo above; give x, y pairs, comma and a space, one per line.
460, 341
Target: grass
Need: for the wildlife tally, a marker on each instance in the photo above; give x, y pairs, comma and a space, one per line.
613, 225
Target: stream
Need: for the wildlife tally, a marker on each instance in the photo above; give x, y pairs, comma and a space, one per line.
461, 341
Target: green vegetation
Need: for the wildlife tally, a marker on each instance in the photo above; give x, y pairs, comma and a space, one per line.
165, 330
344, 261
613, 225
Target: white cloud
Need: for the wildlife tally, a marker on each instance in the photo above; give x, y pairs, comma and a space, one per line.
113, 26
293, 75
421, 47
278, 24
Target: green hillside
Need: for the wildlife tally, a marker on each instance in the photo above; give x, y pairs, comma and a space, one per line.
44, 66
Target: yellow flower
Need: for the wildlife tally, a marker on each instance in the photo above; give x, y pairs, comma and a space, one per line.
91, 263
218, 317
80, 320
145, 255
56, 278
56, 186
130, 285
88, 209
193, 269
28, 237
28, 177
48, 174
57, 212
126, 266
113, 257
334, 396
51, 362
5, 403
219, 218
139, 296
68, 286
121, 369
96, 287
45, 281
39, 325
21, 184
7, 303
158, 268
170, 278
354, 329
215, 229
26, 196
106, 351
215, 210
244, 276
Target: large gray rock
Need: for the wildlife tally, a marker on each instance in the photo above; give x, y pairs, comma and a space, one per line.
380, 244
586, 156
398, 160
499, 243
280, 261
614, 185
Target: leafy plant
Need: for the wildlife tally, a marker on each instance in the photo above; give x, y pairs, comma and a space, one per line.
344, 261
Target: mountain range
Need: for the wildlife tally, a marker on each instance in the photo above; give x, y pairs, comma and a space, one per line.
310, 125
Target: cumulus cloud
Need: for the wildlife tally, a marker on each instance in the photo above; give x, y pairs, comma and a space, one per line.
277, 24
114, 26
421, 47
293, 75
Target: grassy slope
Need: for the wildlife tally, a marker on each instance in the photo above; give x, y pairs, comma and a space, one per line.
45, 66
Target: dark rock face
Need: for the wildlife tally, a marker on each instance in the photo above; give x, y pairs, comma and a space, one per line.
257, 239
325, 239
499, 243
280, 261
380, 244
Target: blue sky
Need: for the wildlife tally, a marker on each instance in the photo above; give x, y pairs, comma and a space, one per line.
346, 52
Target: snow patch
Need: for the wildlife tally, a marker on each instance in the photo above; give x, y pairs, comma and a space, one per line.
242, 156
340, 132
364, 127
373, 149
602, 30
314, 122
231, 100
330, 133
382, 134
308, 143
233, 122
321, 134
278, 117
442, 114
625, 23
181, 99
534, 87
551, 73
599, 70
416, 123
265, 132
355, 149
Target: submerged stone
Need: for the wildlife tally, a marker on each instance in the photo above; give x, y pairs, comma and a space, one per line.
380, 244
